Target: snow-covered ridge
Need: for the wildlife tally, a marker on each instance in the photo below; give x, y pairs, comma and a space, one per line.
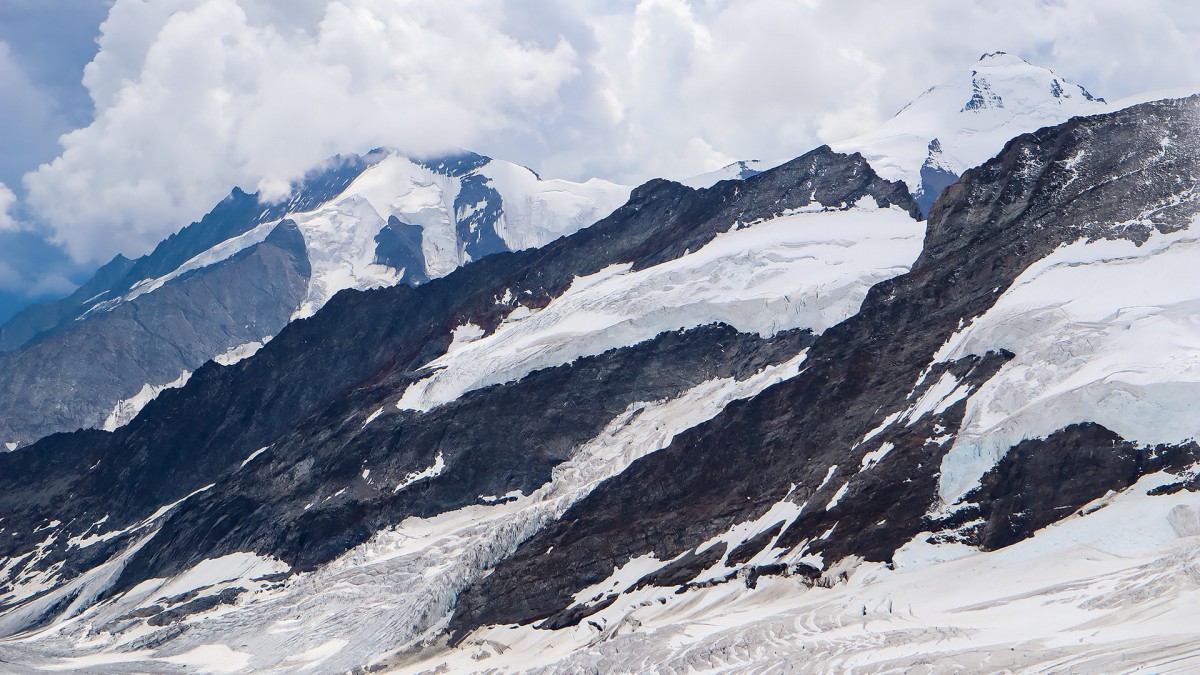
971, 117
1105, 331
340, 235
739, 170
804, 270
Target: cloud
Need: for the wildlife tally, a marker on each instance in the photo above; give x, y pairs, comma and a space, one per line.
191, 101
195, 96
7, 201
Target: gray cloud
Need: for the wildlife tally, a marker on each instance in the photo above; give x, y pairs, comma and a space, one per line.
193, 96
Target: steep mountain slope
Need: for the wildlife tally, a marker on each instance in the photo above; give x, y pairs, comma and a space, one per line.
362, 222
301, 452
960, 124
841, 462
555, 458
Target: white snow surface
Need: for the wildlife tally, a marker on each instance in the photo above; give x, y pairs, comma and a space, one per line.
1016, 98
1071, 599
538, 210
739, 170
340, 234
805, 270
1105, 332
125, 410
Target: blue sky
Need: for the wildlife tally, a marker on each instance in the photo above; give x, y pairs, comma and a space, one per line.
48, 42
168, 104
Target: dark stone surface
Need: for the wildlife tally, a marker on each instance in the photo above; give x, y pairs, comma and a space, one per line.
934, 178
398, 245
983, 232
1041, 481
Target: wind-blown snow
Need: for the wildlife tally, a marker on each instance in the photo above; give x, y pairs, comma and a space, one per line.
1105, 332
1015, 97
807, 270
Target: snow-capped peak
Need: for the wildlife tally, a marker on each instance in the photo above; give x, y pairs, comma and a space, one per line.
739, 170
970, 118
406, 219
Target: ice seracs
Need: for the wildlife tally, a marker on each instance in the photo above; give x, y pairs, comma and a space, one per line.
1099, 336
801, 270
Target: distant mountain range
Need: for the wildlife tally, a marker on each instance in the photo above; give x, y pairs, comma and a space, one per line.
224, 286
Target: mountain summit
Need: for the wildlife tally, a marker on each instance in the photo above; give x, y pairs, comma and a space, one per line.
963, 123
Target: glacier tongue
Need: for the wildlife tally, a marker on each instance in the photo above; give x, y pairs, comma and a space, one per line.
400, 585
805, 270
1073, 597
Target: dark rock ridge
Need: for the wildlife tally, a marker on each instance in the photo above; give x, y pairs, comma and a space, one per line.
983, 232
307, 395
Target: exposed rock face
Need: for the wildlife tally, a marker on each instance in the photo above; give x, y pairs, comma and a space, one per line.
937, 173
320, 397
868, 374
73, 378
581, 494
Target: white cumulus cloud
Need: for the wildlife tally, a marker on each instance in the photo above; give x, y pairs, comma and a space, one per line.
7, 201
195, 96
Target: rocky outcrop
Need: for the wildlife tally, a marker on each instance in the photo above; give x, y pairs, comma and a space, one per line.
866, 377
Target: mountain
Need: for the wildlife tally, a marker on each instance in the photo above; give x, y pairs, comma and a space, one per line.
222, 287
777, 420
960, 124
593, 328
739, 170
956, 125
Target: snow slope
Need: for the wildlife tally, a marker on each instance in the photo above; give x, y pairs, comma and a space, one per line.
739, 170
803, 270
340, 234
1073, 598
971, 119
1104, 331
